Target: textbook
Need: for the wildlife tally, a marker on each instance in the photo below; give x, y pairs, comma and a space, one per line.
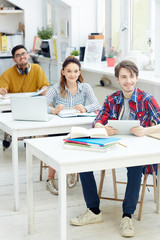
87, 147
77, 132
72, 112
93, 141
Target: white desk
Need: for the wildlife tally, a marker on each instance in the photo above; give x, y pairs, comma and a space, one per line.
147, 81
101, 68
139, 151
27, 128
5, 105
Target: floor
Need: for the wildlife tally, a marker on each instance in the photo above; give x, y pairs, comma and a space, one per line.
13, 225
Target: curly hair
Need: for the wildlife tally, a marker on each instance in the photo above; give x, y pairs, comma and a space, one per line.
68, 60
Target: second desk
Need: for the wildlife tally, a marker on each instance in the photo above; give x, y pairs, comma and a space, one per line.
18, 129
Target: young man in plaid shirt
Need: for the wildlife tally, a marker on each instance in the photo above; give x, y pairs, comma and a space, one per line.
128, 104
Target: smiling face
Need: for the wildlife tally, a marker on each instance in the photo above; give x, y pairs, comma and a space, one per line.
71, 73
127, 80
21, 57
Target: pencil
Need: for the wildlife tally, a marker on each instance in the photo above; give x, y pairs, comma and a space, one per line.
122, 145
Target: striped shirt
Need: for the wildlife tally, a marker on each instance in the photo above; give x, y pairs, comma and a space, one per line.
143, 107
84, 96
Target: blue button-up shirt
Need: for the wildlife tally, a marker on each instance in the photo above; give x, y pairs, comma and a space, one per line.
84, 96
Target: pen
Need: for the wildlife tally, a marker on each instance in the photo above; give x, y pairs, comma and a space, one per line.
122, 145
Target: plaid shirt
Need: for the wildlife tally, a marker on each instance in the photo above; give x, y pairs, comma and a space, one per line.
142, 105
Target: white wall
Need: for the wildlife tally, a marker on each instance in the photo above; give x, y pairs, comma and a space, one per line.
87, 20
83, 20
33, 18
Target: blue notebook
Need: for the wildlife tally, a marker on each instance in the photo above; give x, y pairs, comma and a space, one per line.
97, 141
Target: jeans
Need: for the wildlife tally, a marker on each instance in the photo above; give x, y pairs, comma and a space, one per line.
134, 175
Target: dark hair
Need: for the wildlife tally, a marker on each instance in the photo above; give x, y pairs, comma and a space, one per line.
131, 66
68, 60
17, 48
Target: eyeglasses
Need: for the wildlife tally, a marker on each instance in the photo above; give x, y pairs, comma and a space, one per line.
22, 54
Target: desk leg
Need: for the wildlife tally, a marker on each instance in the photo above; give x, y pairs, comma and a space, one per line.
158, 191
62, 204
29, 166
15, 171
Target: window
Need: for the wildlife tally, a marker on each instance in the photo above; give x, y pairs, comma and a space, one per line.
115, 25
49, 14
139, 25
132, 22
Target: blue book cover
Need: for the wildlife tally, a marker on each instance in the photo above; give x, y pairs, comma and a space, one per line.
97, 141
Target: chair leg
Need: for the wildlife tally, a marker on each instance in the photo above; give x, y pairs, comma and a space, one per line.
114, 183
41, 167
101, 183
154, 186
77, 177
142, 196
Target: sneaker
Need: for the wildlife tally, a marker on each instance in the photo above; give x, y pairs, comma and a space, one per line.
88, 217
51, 187
7, 141
71, 180
127, 229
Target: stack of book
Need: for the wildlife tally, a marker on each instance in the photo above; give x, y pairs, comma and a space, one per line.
95, 139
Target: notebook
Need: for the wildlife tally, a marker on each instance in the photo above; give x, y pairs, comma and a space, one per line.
97, 141
30, 108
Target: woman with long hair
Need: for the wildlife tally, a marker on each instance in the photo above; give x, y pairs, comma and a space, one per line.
71, 92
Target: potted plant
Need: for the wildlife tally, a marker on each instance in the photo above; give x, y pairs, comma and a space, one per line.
75, 53
110, 57
45, 33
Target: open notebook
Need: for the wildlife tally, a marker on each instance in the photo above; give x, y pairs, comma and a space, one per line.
30, 109
72, 112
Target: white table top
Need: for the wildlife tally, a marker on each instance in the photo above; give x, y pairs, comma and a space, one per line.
145, 146
7, 120
139, 151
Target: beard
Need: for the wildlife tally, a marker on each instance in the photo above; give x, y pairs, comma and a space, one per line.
23, 64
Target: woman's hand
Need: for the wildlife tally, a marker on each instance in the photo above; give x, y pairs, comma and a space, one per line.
57, 109
81, 108
110, 130
138, 131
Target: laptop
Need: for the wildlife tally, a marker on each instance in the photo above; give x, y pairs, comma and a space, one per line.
30, 108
